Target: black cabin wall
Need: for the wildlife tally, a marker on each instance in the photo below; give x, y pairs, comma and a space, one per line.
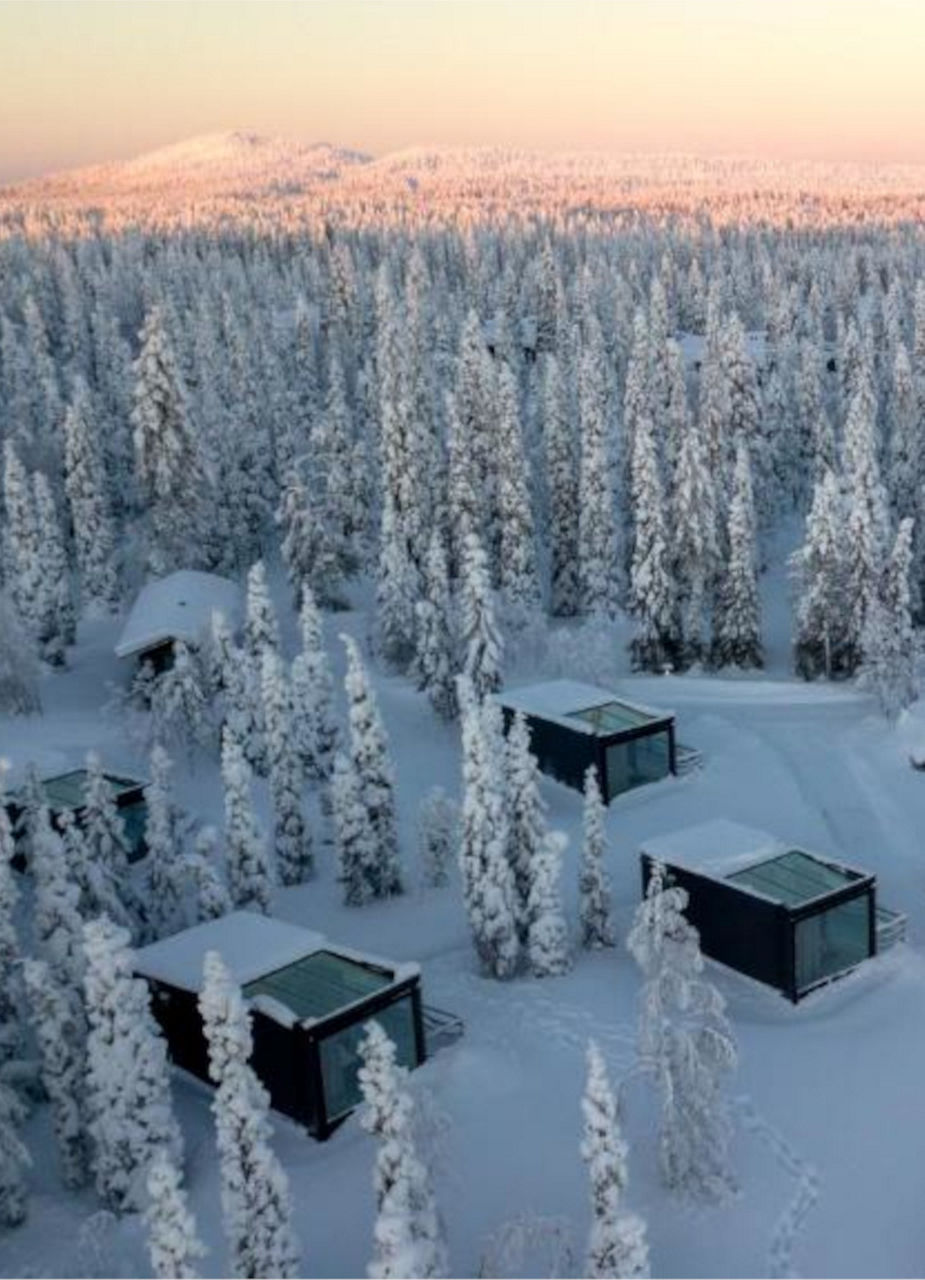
738, 929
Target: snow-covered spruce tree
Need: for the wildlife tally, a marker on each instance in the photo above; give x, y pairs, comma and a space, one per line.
597, 532
888, 640
179, 707
438, 836
907, 469
310, 549
369, 754
685, 1044
517, 579
407, 1236
487, 878
19, 693
637, 404
104, 830
480, 639
291, 835
204, 871
819, 568
693, 543
314, 728
55, 608
433, 633
397, 588
172, 478
61, 1034
547, 944
256, 1201
11, 1012
20, 544
867, 521
653, 601
737, 629
744, 404
57, 926
173, 1241
593, 884
14, 1158
526, 810
232, 675
561, 453
162, 836
261, 629
250, 867
128, 1083
107, 848
354, 838
617, 1245
85, 485
99, 892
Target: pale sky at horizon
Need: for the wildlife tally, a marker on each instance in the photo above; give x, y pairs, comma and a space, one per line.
83, 81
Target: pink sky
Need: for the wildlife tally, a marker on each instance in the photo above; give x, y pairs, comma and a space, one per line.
82, 80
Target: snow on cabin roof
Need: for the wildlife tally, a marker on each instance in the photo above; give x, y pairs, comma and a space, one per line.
716, 847
177, 607
567, 701
250, 944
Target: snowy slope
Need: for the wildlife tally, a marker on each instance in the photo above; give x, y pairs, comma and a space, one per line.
829, 1090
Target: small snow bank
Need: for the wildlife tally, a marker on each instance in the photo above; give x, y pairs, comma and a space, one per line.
178, 607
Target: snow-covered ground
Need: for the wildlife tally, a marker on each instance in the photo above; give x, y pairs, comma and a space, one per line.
829, 1091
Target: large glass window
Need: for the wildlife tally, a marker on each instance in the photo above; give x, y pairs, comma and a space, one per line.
340, 1059
832, 941
630, 764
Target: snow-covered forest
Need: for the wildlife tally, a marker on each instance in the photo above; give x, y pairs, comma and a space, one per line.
451, 422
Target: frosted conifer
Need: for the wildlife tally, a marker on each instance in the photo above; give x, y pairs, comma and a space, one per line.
547, 935
256, 1200
250, 869
434, 646
14, 1158
128, 1085
617, 1245
162, 837
487, 878
526, 810
593, 884
85, 484
61, 1033
291, 834
479, 636
685, 1043
314, 727
173, 1243
562, 482
170, 471
369, 754
407, 1236
737, 632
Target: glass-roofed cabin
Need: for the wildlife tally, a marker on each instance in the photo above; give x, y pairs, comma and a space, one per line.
309, 1002
784, 916
574, 725
66, 791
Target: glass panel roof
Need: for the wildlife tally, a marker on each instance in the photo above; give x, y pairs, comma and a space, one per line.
794, 877
67, 790
612, 717
319, 984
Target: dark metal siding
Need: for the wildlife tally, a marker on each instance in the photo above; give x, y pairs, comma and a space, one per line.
562, 754
738, 929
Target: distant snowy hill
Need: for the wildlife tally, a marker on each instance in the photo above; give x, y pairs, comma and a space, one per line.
205, 166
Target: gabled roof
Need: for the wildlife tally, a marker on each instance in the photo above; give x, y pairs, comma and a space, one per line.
178, 607
567, 702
